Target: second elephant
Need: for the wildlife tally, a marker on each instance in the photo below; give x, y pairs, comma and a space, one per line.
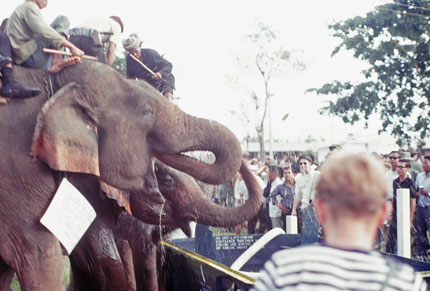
184, 201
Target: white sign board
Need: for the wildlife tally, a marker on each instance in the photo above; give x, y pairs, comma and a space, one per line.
403, 223
291, 223
68, 216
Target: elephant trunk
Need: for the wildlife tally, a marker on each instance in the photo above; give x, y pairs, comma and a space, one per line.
206, 212
182, 133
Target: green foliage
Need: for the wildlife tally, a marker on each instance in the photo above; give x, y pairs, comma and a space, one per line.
119, 63
394, 41
15, 284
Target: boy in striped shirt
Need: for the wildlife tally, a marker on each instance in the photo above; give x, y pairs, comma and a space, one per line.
350, 204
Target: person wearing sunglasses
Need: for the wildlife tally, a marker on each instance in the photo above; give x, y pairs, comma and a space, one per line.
392, 174
305, 188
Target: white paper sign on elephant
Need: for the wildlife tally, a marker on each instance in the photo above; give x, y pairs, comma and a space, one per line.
68, 216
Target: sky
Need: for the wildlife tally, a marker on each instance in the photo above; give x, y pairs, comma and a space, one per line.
202, 39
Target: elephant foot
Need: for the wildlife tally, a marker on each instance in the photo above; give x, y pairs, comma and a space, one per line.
59, 64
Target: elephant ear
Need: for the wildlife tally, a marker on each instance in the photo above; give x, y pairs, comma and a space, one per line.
64, 136
122, 198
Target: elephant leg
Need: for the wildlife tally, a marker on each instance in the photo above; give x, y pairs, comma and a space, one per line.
6, 276
140, 237
96, 263
145, 266
151, 267
38, 267
127, 259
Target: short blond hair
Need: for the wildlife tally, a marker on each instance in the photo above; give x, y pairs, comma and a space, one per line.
352, 183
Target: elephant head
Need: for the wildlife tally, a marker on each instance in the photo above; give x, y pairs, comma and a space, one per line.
186, 202
102, 124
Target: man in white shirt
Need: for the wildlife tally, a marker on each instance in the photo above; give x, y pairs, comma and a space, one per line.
392, 174
241, 191
305, 194
92, 34
305, 183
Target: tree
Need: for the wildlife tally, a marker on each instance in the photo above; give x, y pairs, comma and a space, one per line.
266, 59
119, 63
394, 41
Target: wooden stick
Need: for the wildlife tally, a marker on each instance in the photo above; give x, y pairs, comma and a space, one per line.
142, 64
58, 52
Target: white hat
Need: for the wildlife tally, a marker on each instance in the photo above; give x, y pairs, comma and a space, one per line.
133, 42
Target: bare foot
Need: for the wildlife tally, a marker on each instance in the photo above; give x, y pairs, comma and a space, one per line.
62, 63
169, 96
3, 100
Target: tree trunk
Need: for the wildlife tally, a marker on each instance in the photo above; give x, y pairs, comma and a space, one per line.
261, 141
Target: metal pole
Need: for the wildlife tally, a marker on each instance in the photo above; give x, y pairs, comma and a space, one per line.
270, 129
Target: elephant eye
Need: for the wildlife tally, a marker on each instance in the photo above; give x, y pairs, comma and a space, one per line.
147, 109
168, 181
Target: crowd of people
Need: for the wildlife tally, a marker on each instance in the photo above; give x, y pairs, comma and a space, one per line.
350, 203
25, 37
288, 184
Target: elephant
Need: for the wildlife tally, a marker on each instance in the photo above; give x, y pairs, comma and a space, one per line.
92, 269
90, 120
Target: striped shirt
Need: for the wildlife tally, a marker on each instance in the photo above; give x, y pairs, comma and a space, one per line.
320, 267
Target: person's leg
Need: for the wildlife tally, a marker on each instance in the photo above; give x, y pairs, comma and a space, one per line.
391, 237
40, 59
169, 96
58, 63
427, 224
238, 229
276, 222
269, 221
263, 220
251, 224
87, 45
5, 49
284, 221
10, 88
309, 225
421, 229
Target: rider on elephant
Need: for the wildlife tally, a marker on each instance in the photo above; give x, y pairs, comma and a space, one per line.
92, 35
25, 23
162, 79
10, 87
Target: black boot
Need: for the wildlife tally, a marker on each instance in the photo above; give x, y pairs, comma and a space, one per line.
11, 89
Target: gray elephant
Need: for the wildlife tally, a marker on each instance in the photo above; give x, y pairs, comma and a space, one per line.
96, 123
92, 263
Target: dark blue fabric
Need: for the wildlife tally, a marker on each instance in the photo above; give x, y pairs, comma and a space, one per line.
39, 59
5, 50
154, 61
422, 224
309, 225
89, 47
287, 194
